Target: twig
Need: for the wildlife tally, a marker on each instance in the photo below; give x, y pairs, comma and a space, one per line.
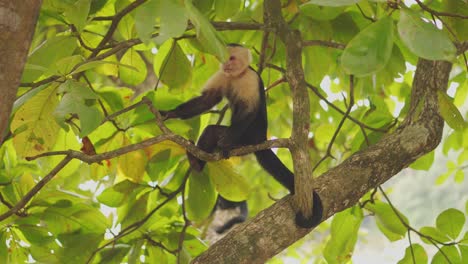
340, 125
131, 228
186, 224
364, 14
324, 43
115, 22
437, 13
26, 198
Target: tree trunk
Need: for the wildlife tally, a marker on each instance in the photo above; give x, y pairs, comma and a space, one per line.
17, 23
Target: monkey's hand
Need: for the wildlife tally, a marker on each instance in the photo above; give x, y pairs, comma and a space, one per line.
225, 146
166, 114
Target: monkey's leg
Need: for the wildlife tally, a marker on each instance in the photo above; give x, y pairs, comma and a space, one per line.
207, 142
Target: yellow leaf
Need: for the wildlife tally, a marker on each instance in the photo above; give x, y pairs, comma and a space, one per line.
34, 127
132, 165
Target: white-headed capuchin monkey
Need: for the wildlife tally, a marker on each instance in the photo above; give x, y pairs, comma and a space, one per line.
244, 89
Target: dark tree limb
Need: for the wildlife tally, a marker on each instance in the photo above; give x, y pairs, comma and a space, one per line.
17, 24
274, 229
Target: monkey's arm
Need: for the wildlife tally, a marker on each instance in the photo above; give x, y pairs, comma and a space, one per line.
212, 95
195, 106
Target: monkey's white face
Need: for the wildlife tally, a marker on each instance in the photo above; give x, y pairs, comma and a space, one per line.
238, 61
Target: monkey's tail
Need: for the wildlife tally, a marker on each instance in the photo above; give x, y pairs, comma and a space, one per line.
273, 165
236, 220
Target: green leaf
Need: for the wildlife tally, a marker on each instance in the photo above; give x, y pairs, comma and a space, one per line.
52, 50
449, 111
65, 65
176, 71
111, 197
370, 50
63, 219
173, 20
416, 34
459, 176
450, 253
78, 14
203, 5
414, 253
333, 3
74, 101
433, 233
138, 71
344, 234
206, 34
321, 13
145, 19
227, 181
201, 196
387, 221
451, 222
225, 9
40, 129
457, 25
76, 248
114, 254
464, 253
36, 234
93, 64
423, 163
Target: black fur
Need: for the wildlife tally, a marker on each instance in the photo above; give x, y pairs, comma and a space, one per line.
246, 128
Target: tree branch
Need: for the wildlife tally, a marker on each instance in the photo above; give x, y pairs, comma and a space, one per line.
301, 106
273, 229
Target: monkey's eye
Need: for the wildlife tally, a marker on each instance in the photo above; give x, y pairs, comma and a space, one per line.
232, 58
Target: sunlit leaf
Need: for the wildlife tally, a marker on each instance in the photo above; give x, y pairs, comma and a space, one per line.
370, 50
227, 181
136, 74
225, 9
344, 234
414, 253
206, 34
451, 222
78, 13
449, 111
173, 20
433, 233
176, 71
416, 34
201, 196
40, 129
75, 101
451, 255
423, 163
47, 54
388, 222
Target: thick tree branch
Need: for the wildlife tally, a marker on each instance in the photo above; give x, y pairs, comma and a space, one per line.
17, 22
301, 106
273, 229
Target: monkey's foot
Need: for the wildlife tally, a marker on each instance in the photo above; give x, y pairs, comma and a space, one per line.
314, 220
195, 163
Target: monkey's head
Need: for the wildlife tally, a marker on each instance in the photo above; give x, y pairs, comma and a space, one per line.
238, 61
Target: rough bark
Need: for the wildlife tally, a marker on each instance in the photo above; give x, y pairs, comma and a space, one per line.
17, 23
292, 40
273, 229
